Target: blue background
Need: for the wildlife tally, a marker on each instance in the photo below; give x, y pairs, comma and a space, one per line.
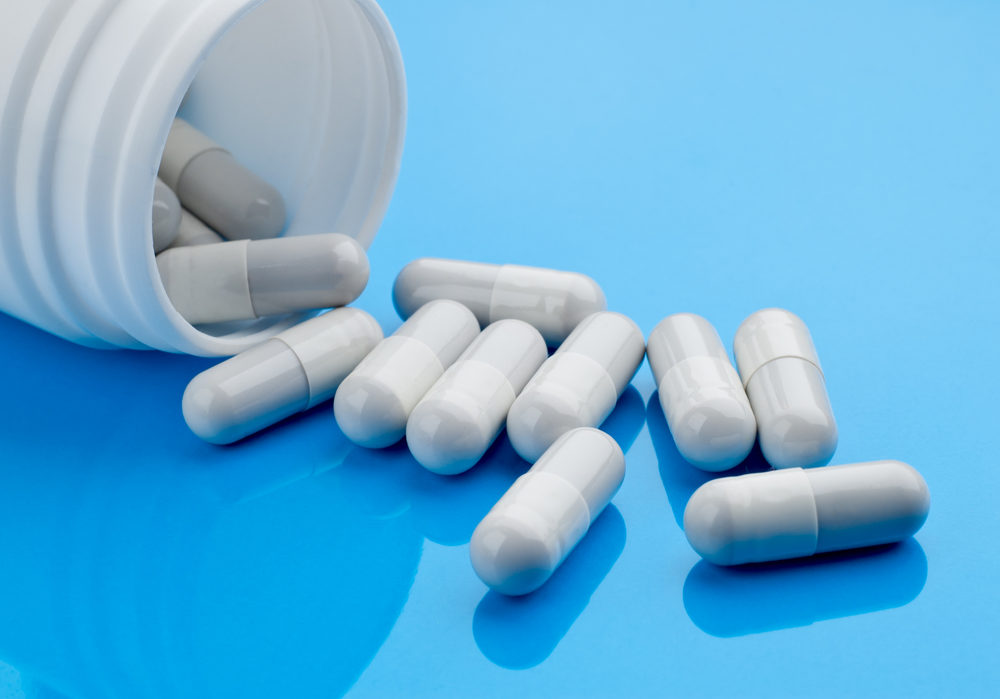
839, 159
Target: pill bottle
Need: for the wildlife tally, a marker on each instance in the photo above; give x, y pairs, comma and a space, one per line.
309, 94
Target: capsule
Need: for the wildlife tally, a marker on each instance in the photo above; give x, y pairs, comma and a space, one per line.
547, 511
373, 404
577, 386
784, 382
554, 302
215, 187
193, 232
796, 512
293, 371
463, 413
166, 216
247, 279
701, 394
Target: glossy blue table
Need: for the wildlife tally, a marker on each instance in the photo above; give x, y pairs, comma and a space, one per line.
840, 160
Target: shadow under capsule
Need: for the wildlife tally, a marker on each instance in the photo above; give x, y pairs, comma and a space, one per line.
755, 598
520, 632
680, 479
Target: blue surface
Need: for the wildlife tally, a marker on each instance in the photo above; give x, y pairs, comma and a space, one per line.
840, 160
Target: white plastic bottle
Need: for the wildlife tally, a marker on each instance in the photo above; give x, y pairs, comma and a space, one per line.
88, 93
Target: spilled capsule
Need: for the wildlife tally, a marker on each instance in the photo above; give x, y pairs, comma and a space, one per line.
374, 403
701, 394
215, 187
577, 386
247, 279
552, 301
798, 512
166, 216
548, 510
464, 412
784, 382
293, 371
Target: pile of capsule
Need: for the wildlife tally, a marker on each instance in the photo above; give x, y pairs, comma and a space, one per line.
472, 358
215, 228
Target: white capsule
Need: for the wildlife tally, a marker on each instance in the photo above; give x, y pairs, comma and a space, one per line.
784, 382
536, 524
464, 412
577, 386
293, 371
701, 395
554, 302
193, 232
375, 401
166, 216
217, 189
247, 279
798, 512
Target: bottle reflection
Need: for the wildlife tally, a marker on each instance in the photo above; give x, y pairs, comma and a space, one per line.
755, 598
520, 632
276, 566
140, 562
681, 479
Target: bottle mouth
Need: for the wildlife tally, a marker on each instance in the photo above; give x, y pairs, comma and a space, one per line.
310, 96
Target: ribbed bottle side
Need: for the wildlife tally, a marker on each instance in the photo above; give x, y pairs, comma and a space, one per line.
32, 33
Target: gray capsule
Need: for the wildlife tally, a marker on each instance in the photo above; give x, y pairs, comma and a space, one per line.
577, 386
463, 413
193, 232
248, 279
797, 512
166, 216
780, 369
374, 403
214, 186
552, 301
548, 510
702, 398
296, 370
